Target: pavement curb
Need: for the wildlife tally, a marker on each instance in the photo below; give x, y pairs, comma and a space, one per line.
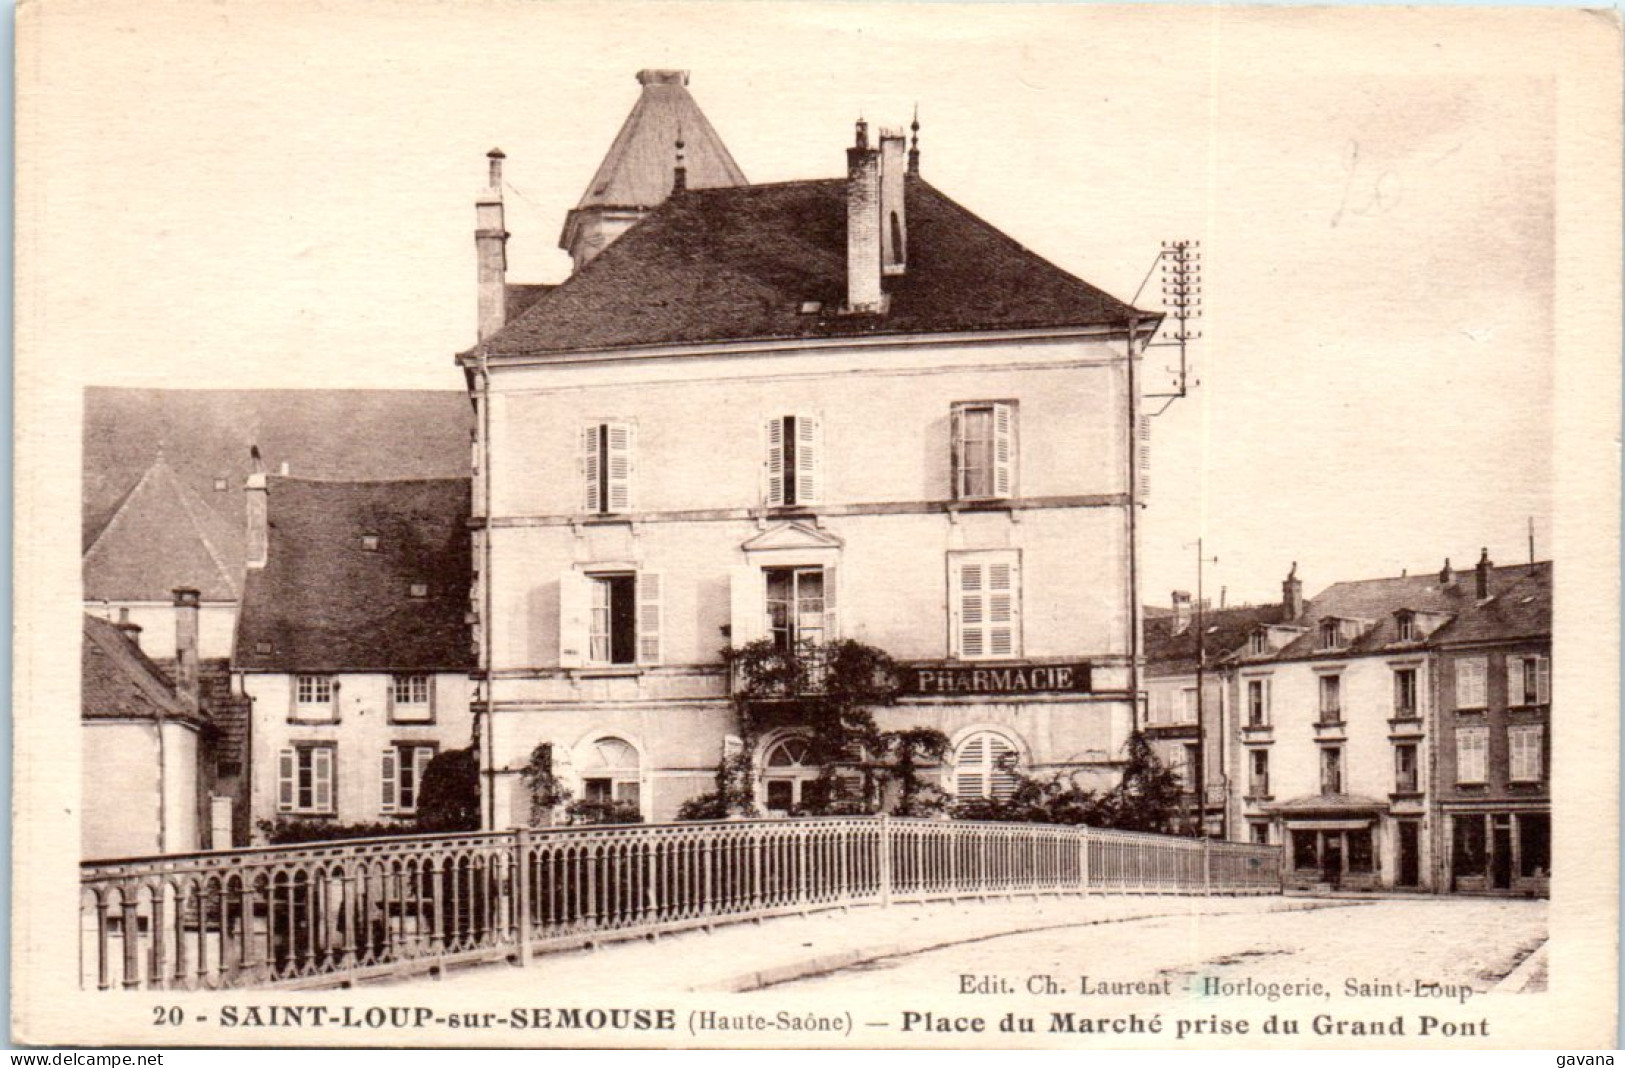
1517, 980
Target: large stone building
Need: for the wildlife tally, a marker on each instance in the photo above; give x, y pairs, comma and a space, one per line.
842, 407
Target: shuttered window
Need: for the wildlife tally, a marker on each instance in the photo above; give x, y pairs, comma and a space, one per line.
985, 604
1529, 681
1472, 754
984, 450
608, 459
610, 619
1524, 742
1470, 689
800, 605
401, 776
794, 465
985, 768
305, 779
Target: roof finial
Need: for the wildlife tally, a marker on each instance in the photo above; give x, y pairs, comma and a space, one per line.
679, 179
914, 147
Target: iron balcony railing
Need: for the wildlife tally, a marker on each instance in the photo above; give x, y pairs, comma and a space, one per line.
339, 913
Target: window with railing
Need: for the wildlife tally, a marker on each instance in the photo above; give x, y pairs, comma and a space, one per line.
1258, 702
1258, 783
1405, 693
1405, 779
1331, 699
1331, 770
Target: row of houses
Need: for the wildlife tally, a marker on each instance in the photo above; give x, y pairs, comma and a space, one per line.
1391, 732
844, 408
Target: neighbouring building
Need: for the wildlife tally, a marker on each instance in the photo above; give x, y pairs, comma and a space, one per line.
1360, 749
842, 407
1178, 699
146, 743
1493, 781
353, 644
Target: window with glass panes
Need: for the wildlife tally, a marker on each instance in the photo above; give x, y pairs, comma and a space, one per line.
1331, 769
611, 772
401, 776
797, 608
1529, 681
305, 779
612, 624
984, 450
1259, 783
1405, 693
1405, 779
1258, 702
1331, 698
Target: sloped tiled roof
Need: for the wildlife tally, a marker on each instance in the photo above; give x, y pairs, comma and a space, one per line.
738, 264
228, 711
325, 603
1226, 630
1521, 608
163, 536
1376, 601
637, 169
118, 681
205, 434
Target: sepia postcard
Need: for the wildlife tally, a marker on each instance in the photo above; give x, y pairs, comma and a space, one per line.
816, 525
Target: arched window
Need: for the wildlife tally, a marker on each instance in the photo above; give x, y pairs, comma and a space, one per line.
610, 772
985, 767
786, 771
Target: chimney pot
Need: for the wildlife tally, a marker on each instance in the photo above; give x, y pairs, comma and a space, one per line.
1292, 594
1182, 611
491, 252
1483, 575
863, 293
1447, 576
662, 77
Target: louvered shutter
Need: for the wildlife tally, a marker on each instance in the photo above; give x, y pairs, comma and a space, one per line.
1003, 608
620, 455
773, 432
1004, 450
421, 756
1543, 680
809, 473
390, 778
285, 780
970, 774
650, 593
832, 628
747, 597
591, 456
322, 775
1002, 778
575, 591
1515, 690
972, 600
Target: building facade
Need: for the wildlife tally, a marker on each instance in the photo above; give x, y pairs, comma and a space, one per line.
353, 645
1494, 834
792, 413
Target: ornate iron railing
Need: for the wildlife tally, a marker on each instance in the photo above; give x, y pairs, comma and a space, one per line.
339, 913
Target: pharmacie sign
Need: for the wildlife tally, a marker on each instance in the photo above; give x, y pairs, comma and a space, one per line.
1031, 678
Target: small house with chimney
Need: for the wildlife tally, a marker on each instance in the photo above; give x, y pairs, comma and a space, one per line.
147, 744
353, 644
788, 413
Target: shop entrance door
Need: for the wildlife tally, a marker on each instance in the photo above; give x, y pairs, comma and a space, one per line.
1501, 853
1410, 859
1331, 858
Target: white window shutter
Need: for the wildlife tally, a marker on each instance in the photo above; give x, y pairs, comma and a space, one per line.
1514, 681
575, 593
832, 627
285, 780
971, 596
390, 778
747, 597
1543, 679
773, 432
1004, 450
620, 456
1004, 607
322, 773
591, 500
651, 593
1001, 773
809, 471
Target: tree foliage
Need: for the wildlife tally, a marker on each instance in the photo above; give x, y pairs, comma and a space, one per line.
449, 796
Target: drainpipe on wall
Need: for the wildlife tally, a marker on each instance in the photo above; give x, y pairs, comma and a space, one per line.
483, 724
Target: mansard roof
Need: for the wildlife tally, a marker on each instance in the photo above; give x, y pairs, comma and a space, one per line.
360, 576
768, 262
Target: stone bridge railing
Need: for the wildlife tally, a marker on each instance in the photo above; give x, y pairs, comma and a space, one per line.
338, 913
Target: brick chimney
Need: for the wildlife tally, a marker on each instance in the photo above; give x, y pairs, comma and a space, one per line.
186, 659
1447, 575
491, 250
1483, 571
257, 492
863, 293
130, 630
1182, 611
1292, 594
893, 224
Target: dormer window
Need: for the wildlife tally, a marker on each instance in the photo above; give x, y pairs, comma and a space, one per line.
1405, 625
369, 543
419, 590
1331, 635
1259, 642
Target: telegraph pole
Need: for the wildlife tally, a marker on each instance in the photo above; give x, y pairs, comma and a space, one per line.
1200, 771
